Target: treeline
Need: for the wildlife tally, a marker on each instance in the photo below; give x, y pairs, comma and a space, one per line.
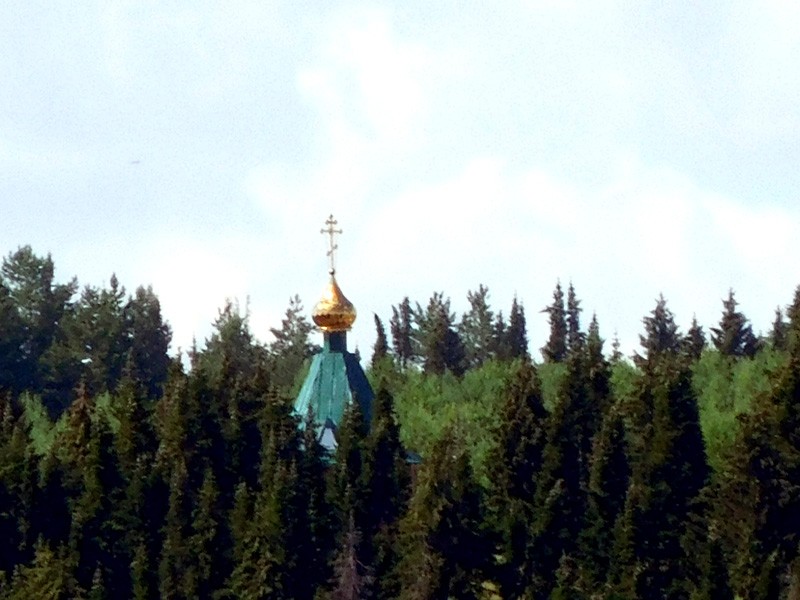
124, 474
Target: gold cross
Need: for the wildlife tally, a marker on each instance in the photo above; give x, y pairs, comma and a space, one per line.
331, 231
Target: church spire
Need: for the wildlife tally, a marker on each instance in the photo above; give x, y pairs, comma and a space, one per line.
334, 312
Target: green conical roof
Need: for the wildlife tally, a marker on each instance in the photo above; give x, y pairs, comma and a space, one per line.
334, 380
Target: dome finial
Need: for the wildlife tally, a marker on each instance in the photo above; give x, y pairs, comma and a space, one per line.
334, 312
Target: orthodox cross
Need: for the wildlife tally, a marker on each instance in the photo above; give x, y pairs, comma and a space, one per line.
331, 231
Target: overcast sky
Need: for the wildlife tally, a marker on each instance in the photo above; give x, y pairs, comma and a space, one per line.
633, 148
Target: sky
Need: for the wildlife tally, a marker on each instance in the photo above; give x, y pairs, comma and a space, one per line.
631, 148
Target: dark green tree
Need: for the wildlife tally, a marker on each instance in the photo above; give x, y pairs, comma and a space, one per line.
555, 350
575, 336
291, 346
734, 335
517, 460
401, 328
669, 470
12, 341
476, 328
780, 330
661, 336
446, 552
380, 351
149, 338
440, 346
695, 341
41, 304
385, 480
517, 332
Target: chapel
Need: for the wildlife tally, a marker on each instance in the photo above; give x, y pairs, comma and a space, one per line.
335, 378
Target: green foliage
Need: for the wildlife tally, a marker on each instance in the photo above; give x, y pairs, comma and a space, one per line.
124, 475
427, 405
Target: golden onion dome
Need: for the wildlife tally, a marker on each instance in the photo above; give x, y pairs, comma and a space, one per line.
334, 312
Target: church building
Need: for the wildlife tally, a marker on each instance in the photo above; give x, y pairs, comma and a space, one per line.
335, 378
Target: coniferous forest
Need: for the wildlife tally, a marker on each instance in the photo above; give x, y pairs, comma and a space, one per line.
127, 472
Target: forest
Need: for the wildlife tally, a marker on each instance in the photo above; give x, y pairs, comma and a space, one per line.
129, 472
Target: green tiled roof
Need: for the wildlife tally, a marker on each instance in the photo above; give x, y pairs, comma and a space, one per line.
334, 380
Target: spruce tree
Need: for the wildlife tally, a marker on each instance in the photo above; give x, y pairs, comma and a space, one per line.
575, 336
476, 328
695, 341
401, 328
734, 335
517, 332
446, 552
440, 346
669, 470
555, 350
780, 329
517, 460
380, 350
385, 480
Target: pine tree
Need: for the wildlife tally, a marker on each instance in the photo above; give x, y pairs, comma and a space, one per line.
555, 350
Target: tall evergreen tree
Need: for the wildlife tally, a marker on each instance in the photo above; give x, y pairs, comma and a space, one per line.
401, 328
734, 335
440, 346
380, 351
575, 336
695, 341
760, 490
780, 330
446, 551
476, 328
41, 304
517, 458
517, 332
668, 470
555, 350
661, 336
291, 347
385, 481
